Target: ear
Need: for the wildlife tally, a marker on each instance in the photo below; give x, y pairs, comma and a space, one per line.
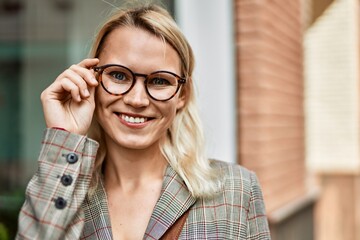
180, 102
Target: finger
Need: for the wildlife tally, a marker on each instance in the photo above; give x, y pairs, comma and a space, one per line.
88, 63
69, 86
86, 74
78, 81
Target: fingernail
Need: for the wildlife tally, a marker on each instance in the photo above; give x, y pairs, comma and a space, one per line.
94, 81
86, 92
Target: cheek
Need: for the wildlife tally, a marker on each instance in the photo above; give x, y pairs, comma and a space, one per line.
171, 114
103, 100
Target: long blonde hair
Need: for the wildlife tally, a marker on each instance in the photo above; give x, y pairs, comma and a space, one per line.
184, 144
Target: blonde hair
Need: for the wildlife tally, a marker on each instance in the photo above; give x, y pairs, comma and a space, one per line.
184, 145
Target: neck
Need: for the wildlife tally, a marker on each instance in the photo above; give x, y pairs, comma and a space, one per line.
131, 168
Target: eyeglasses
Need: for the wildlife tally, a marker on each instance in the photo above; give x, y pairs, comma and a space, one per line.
119, 80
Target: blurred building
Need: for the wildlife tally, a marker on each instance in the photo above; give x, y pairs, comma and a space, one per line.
332, 116
278, 86
298, 113
270, 97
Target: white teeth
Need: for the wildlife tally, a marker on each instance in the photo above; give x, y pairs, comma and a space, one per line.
132, 119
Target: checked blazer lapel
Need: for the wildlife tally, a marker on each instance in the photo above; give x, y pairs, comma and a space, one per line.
175, 199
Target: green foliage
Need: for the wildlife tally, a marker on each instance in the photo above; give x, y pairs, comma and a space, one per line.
3, 232
10, 204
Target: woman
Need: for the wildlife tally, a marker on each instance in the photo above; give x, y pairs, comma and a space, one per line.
122, 156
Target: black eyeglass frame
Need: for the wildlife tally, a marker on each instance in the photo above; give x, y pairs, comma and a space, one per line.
100, 69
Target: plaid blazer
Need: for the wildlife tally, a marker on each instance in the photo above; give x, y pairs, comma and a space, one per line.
57, 205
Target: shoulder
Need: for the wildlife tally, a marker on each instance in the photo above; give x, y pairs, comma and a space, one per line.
237, 210
237, 179
239, 203
232, 171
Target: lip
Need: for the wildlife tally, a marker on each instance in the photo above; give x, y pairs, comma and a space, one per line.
134, 125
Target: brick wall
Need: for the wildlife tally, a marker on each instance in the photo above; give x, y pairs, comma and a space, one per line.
270, 96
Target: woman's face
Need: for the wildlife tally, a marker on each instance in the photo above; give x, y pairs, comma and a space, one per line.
142, 52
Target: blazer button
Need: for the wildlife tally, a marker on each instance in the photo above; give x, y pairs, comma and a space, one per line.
72, 158
60, 203
66, 180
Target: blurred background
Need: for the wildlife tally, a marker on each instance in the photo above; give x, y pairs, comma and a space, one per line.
278, 85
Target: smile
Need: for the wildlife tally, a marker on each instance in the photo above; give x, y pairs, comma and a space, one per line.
130, 119
134, 120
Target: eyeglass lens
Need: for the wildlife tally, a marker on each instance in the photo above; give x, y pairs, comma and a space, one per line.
159, 85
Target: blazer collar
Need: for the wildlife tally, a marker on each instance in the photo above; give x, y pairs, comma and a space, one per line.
174, 200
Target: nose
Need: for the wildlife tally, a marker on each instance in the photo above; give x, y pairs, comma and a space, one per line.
137, 96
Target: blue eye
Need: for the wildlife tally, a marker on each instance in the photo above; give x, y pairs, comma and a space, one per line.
159, 81
120, 76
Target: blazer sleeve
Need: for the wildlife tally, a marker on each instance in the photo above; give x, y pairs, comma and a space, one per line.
54, 195
258, 227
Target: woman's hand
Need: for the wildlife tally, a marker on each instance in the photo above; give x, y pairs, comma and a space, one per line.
69, 101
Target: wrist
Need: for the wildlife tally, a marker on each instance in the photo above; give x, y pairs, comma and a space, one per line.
60, 128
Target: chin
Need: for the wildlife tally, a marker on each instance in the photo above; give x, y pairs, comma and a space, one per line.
135, 144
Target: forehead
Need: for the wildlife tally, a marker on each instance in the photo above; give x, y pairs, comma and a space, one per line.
138, 48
